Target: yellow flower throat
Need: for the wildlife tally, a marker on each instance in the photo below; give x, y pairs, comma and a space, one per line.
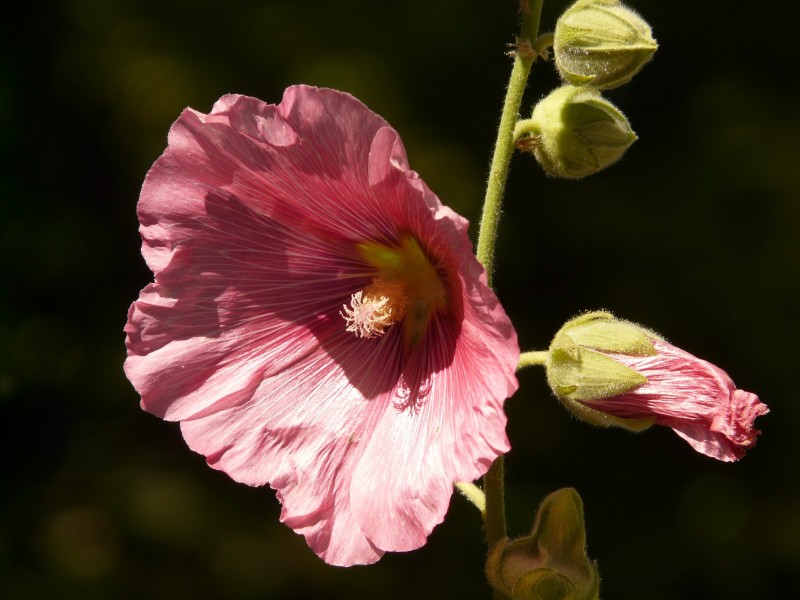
406, 287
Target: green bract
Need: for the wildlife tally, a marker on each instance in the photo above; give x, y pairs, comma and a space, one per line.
574, 132
578, 370
601, 43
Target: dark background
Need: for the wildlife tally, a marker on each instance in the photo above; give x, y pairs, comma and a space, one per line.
694, 233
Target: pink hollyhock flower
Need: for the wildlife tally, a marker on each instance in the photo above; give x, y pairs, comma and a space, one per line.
318, 321
612, 372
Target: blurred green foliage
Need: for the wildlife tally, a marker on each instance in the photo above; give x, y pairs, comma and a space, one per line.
694, 233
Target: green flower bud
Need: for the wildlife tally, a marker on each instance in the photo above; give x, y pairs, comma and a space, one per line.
551, 562
601, 43
579, 370
574, 132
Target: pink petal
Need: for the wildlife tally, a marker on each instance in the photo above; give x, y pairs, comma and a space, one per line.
448, 434
303, 434
697, 399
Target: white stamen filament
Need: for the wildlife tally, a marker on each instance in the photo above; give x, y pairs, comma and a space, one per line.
372, 310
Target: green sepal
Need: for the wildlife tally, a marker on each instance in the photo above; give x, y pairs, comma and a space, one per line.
579, 371
544, 584
591, 375
602, 331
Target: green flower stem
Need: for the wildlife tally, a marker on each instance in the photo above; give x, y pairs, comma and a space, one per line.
493, 481
494, 516
542, 44
498, 172
474, 494
504, 146
529, 359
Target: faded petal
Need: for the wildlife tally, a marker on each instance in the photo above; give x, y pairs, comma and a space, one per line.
697, 399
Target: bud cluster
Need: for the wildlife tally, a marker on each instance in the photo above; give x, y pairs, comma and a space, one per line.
574, 132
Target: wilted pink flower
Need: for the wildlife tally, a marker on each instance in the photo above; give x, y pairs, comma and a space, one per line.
698, 400
608, 371
318, 321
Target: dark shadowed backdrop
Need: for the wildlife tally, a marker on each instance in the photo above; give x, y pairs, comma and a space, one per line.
694, 233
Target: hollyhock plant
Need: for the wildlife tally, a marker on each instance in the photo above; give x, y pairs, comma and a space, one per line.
317, 321
612, 372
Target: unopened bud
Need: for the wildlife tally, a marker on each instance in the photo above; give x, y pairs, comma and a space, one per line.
551, 562
574, 132
580, 368
602, 43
